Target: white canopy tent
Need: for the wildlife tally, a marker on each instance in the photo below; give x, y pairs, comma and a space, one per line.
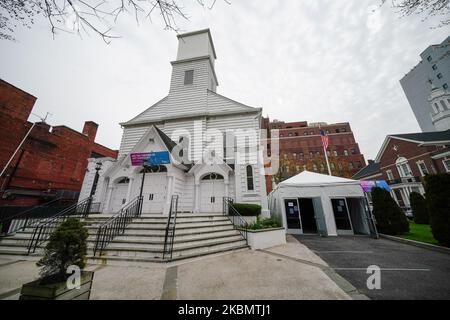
316, 203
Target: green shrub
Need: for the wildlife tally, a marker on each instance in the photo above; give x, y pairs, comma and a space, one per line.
248, 209
419, 208
66, 246
266, 223
437, 189
389, 216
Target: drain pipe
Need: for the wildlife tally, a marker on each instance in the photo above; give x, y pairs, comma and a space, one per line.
15, 152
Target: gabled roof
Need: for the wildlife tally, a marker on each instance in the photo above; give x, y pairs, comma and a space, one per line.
421, 138
307, 178
371, 169
169, 143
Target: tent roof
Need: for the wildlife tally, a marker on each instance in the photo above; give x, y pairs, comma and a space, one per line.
307, 178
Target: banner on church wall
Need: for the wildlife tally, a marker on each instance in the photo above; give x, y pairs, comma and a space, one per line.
150, 158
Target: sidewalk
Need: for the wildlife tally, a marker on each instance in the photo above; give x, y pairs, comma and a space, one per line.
290, 271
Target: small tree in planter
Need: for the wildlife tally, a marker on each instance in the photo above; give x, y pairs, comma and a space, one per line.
389, 216
437, 188
66, 247
419, 208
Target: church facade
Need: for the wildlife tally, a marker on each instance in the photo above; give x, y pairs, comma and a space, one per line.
211, 145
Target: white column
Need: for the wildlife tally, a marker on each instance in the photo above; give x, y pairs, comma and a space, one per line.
169, 194
226, 189
197, 198
130, 184
108, 199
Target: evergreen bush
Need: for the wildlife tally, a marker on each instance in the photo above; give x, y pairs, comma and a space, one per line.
66, 246
419, 208
389, 216
248, 209
437, 189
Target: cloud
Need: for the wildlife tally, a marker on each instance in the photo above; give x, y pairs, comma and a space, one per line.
311, 60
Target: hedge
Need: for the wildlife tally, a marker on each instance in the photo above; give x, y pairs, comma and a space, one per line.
419, 208
389, 216
437, 189
248, 209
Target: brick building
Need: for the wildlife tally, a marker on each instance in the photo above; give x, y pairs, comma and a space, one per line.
404, 160
52, 161
300, 148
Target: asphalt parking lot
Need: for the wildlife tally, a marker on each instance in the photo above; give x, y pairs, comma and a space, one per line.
407, 272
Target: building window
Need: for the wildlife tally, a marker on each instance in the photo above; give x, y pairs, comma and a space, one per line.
350, 165
301, 155
294, 155
389, 175
445, 86
250, 184
429, 58
332, 166
403, 168
188, 77
434, 67
439, 76
345, 153
311, 154
443, 105
422, 168
304, 168
285, 156
335, 153
446, 163
315, 167
353, 151
297, 168
436, 108
124, 181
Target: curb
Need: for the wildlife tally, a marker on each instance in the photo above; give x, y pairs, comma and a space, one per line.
417, 243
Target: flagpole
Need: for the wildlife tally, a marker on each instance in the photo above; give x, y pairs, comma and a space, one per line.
325, 151
326, 158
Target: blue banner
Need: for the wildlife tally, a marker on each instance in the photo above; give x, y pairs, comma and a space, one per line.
158, 158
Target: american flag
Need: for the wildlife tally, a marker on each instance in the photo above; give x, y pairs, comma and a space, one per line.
324, 137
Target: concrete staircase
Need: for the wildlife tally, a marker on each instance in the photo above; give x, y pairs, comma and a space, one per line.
143, 240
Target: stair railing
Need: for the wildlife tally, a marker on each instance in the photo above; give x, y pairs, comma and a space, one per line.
44, 229
170, 229
117, 224
235, 217
27, 218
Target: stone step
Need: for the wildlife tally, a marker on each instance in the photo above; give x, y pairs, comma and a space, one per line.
178, 237
157, 246
124, 261
178, 252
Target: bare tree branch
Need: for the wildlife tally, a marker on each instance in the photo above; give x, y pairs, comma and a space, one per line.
427, 8
85, 16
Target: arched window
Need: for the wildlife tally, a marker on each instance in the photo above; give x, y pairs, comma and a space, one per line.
250, 184
124, 180
403, 168
154, 169
213, 176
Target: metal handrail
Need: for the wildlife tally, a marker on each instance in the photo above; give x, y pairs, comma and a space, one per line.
170, 229
44, 228
117, 224
29, 221
235, 217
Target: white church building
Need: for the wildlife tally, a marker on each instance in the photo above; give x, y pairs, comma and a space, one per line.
206, 146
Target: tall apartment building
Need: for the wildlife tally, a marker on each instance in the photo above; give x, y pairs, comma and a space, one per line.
427, 82
300, 148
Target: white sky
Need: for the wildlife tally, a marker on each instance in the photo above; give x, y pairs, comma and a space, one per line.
327, 60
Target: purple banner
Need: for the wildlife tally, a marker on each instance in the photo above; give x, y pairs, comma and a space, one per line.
137, 159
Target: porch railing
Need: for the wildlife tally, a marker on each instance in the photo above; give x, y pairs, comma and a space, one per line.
170, 229
117, 224
44, 229
28, 217
235, 217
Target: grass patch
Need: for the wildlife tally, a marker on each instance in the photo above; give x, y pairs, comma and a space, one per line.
421, 233
266, 223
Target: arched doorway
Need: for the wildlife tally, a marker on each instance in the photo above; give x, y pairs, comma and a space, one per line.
155, 189
212, 190
119, 194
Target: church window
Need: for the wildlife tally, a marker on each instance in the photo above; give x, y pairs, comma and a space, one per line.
188, 77
443, 105
434, 67
445, 86
439, 76
124, 180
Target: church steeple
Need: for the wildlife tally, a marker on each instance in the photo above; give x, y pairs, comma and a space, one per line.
193, 70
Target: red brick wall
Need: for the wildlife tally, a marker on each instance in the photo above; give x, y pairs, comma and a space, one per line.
293, 140
14, 102
50, 160
413, 153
